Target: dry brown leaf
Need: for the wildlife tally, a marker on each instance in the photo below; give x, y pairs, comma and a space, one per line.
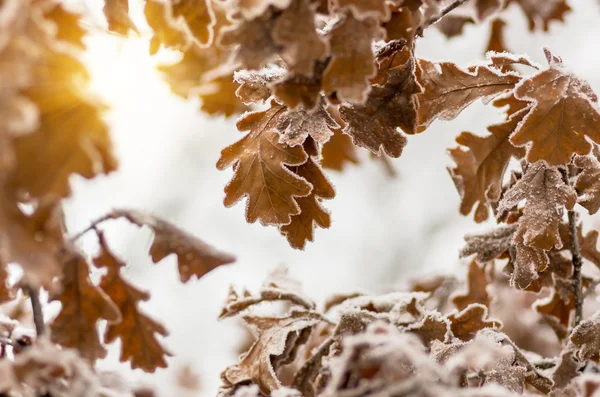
296, 32
194, 256
255, 85
562, 114
388, 107
296, 125
476, 292
218, 95
453, 25
546, 195
469, 321
83, 305
586, 338
198, 18
253, 8
566, 369
541, 12
301, 228
527, 262
487, 8
404, 22
338, 151
300, 90
159, 17
278, 340
136, 330
480, 169
448, 89
489, 245
362, 9
432, 327
67, 24
587, 182
260, 161
496, 40
117, 15
557, 307
351, 66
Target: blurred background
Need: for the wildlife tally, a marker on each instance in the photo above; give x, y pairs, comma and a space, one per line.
385, 229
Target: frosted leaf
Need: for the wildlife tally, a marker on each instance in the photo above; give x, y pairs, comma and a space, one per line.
540, 13
503, 59
563, 112
250, 9
566, 369
586, 337
477, 282
254, 85
298, 124
527, 262
587, 183
489, 245
278, 287
362, 9
468, 322
546, 194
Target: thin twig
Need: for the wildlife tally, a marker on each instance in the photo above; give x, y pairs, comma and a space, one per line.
576, 258
38, 316
451, 7
93, 226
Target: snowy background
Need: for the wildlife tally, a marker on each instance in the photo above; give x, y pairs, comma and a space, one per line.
384, 229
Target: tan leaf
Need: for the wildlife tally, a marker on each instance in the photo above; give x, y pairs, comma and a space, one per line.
496, 41
194, 256
586, 338
300, 90
259, 162
546, 195
453, 25
362, 9
301, 228
489, 245
83, 305
541, 12
278, 340
476, 292
432, 327
563, 112
528, 261
218, 96
448, 89
136, 330
165, 32
278, 287
295, 126
117, 15
557, 307
486, 8
404, 22
255, 85
198, 19
587, 183
296, 32
480, 169
469, 321
67, 24
351, 65
388, 107
338, 151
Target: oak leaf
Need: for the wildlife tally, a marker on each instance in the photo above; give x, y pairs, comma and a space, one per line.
527, 262
296, 32
472, 319
486, 8
448, 89
388, 107
194, 256
557, 307
83, 305
562, 114
362, 9
136, 330
300, 90
66, 24
296, 125
117, 15
259, 162
586, 338
476, 292
302, 226
255, 85
489, 245
546, 195
198, 19
351, 66
278, 340
338, 151
250, 9
587, 183
480, 169
540, 13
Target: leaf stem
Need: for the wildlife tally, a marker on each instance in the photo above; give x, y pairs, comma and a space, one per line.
38, 315
451, 7
576, 258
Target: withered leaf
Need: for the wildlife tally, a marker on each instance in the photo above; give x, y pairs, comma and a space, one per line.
433, 326
362, 9
541, 12
296, 32
351, 66
469, 321
259, 162
136, 330
546, 195
159, 17
278, 340
480, 169
301, 228
218, 97
489, 245
278, 287
253, 8
476, 292
587, 183
486, 8
255, 85
198, 19
72, 137
67, 24
563, 113
194, 256
83, 305
300, 90
117, 15
566, 369
557, 308
528, 261
338, 151
453, 25
298, 124
585, 338
448, 89
388, 107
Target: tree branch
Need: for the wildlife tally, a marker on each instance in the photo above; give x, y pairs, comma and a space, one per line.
451, 7
38, 315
